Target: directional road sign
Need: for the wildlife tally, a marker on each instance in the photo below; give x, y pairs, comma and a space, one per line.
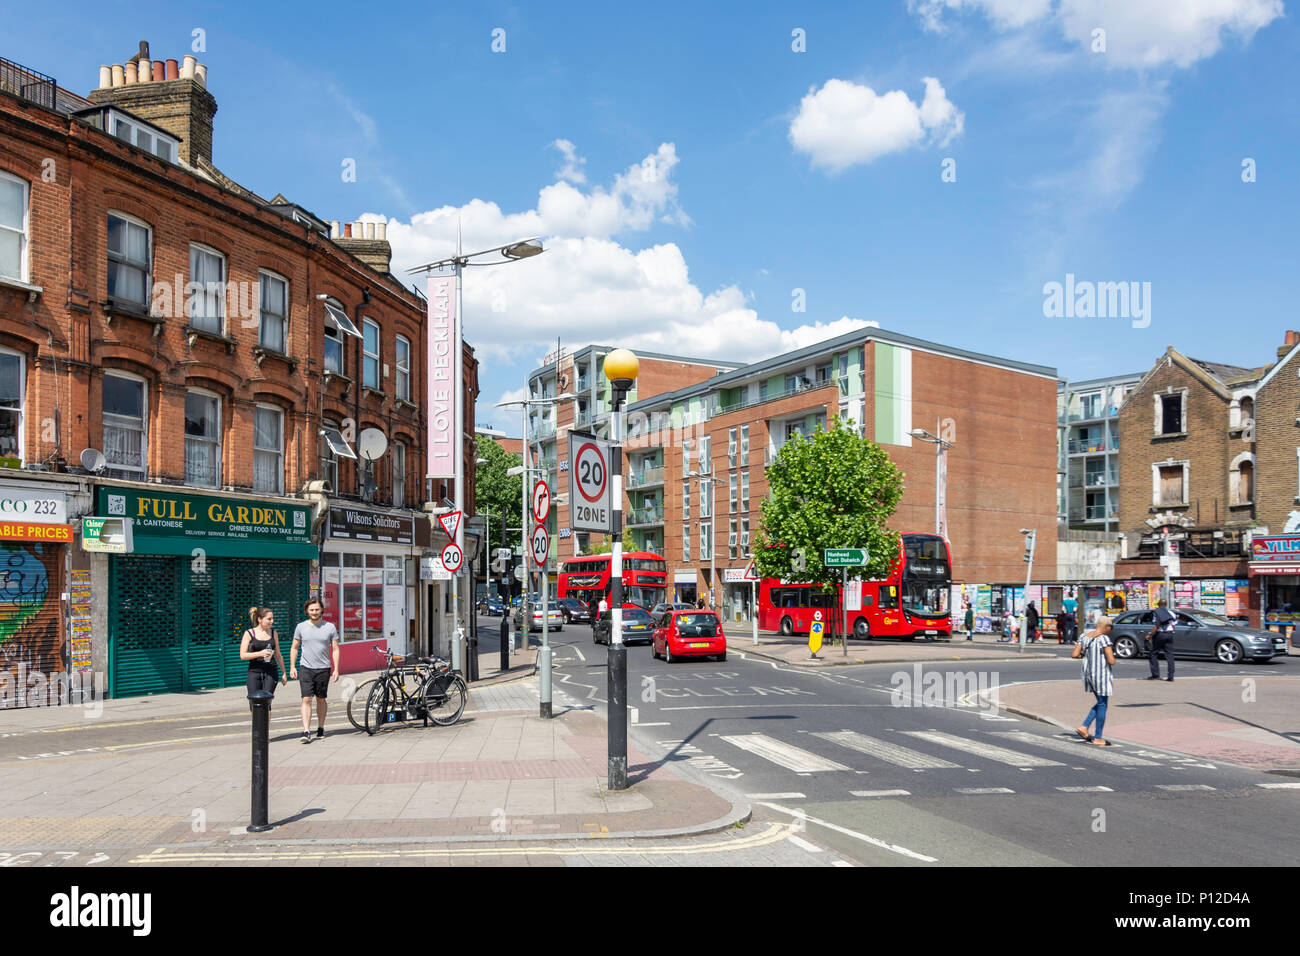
590, 496
844, 557
541, 502
540, 546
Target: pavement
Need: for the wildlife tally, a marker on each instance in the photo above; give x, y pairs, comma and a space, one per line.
1247, 721
174, 771
794, 650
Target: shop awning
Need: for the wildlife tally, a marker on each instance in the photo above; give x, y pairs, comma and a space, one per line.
1273, 567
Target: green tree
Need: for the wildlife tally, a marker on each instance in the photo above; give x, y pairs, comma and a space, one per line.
829, 490
498, 492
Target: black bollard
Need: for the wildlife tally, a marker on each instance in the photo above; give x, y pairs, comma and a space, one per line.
505, 643
260, 702
617, 685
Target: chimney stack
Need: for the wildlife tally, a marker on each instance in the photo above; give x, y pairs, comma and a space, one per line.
367, 241
175, 100
1292, 339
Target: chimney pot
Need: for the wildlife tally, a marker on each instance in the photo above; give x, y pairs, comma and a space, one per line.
129, 70
334, 229
145, 73
381, 231
105, 77
119, 75
173, 71
347, 230
1292, 337
159, 71
201, 74
370, 230
187, 67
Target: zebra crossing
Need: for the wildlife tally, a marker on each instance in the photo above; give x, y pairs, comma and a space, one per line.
937, 757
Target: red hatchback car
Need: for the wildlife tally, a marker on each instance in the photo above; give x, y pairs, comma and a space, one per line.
681, 634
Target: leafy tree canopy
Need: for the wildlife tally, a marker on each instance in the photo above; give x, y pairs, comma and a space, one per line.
829, 490
498, 492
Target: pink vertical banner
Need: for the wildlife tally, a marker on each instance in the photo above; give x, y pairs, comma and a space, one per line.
444, 393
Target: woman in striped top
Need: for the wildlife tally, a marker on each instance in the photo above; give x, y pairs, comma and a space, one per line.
1098, 658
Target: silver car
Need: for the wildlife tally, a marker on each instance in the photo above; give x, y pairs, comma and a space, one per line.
1198, 634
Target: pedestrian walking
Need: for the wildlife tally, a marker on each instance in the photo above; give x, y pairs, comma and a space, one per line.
1031, 619
1161, 640
1098, 656
318, 641
1008, 627
1062, 626
260, 646
968, 618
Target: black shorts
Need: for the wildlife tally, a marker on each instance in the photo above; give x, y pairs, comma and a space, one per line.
314, 681
260, 678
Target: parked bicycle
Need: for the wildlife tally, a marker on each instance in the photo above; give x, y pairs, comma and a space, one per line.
439, 694
412, 674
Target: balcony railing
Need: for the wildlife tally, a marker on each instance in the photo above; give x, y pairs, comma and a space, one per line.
1098, 479
542, 429
807, 385
1098, 512
30, 85
645, 477
1093, 446
545, 464
641, 517
1111, 411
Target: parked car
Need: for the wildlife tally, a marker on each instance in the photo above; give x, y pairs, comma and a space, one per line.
574, 611
492, 607
637, 626
690, 634
554, 618
660, 610
1198, 633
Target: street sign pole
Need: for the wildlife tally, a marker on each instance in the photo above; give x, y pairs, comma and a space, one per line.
541, 541
844, 606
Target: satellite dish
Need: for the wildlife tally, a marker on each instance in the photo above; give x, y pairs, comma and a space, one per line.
372, 443
92, 459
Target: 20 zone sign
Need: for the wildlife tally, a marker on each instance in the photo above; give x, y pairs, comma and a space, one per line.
590, 495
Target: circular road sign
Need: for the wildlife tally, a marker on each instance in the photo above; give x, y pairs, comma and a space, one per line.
541, 501
452, 557
541, 546
592, 472
817, 615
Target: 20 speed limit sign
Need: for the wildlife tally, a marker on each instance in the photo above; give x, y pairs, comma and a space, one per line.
590, 492
452, 557
541, 546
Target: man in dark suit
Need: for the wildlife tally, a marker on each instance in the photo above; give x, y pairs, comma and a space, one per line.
1161, 640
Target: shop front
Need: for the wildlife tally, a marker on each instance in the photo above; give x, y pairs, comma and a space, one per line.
35, 535
1275, 570
369, 568
178, 602
739, 595
685, 590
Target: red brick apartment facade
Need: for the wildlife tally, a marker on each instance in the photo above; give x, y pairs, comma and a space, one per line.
202, 339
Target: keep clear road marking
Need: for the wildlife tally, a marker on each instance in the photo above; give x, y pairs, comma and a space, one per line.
988, 751
975, 791
1077, 749
1085, 789
891, 847
880, 793
890, 753
804, 844
783, 754
1280, 786
775, 796
1183, 786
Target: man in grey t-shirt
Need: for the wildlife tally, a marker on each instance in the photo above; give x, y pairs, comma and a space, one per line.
318, 640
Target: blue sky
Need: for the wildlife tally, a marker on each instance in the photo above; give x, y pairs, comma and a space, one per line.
690, 170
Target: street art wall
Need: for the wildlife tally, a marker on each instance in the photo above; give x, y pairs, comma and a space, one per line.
33, 662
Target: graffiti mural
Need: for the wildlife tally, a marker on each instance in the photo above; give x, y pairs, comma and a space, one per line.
33, 665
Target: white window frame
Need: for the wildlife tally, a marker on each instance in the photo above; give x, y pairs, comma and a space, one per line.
278, 452
1234, 479
205, 294
1155, 483
137, 130
115, 258
263, 312
744, 489
686, 542
336, 317
744, 444
368, 357
744, 535
403, 380
329, 459
706, 544
116, 469
20, 411
215, 441
706, 455
732, 485
1160, 414
24, 232
686, 494
731, 447
731, 538
399, 475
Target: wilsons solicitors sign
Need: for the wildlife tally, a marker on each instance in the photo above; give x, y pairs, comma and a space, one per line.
361, 525
166, 523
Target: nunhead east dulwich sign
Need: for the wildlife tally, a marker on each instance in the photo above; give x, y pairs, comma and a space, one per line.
444, 375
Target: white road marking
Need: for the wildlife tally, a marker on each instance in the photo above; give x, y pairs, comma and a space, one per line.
893, 848
775, 796
1079, 749
1184, 786
840, 863
581, 656
783, 754
657, 723
983, 790
1085, 789
890, 753
804, 844
979, 749
1280, 786
880, 793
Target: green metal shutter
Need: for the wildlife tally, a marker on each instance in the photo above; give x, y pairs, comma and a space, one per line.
144, 633
201, 635
281, 585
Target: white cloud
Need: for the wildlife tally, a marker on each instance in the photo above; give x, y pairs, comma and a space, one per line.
1139, 33
588, 287
844, 123
571, 170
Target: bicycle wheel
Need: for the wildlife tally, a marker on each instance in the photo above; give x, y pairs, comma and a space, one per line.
445, 709
376, 707
357, 705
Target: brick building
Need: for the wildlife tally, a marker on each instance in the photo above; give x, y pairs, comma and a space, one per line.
225, 354
1185, 427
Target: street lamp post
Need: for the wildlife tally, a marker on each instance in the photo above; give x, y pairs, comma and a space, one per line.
713, 532
941, 447
621, 368
523, 249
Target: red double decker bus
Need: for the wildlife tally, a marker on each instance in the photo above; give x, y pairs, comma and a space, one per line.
645, 579
912, 600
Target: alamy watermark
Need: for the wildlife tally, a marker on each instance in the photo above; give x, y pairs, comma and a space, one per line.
1082, 299
918, 688
29, 687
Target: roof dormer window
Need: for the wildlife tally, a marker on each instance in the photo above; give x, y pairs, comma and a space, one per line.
149, 138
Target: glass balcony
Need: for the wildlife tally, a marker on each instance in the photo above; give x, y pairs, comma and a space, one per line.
1093, 446
644, 517
1095, 479
645, 477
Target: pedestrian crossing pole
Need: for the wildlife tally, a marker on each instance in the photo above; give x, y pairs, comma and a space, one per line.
621, 368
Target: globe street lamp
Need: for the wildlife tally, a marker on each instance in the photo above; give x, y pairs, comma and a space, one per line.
621, 368
512, 252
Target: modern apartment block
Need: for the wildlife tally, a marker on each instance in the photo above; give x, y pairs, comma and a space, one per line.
696, 457
581, 374
1088, 453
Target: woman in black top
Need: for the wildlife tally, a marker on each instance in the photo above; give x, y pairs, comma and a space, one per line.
260, 646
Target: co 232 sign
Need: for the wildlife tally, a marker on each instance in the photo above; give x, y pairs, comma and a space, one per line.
590, 492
